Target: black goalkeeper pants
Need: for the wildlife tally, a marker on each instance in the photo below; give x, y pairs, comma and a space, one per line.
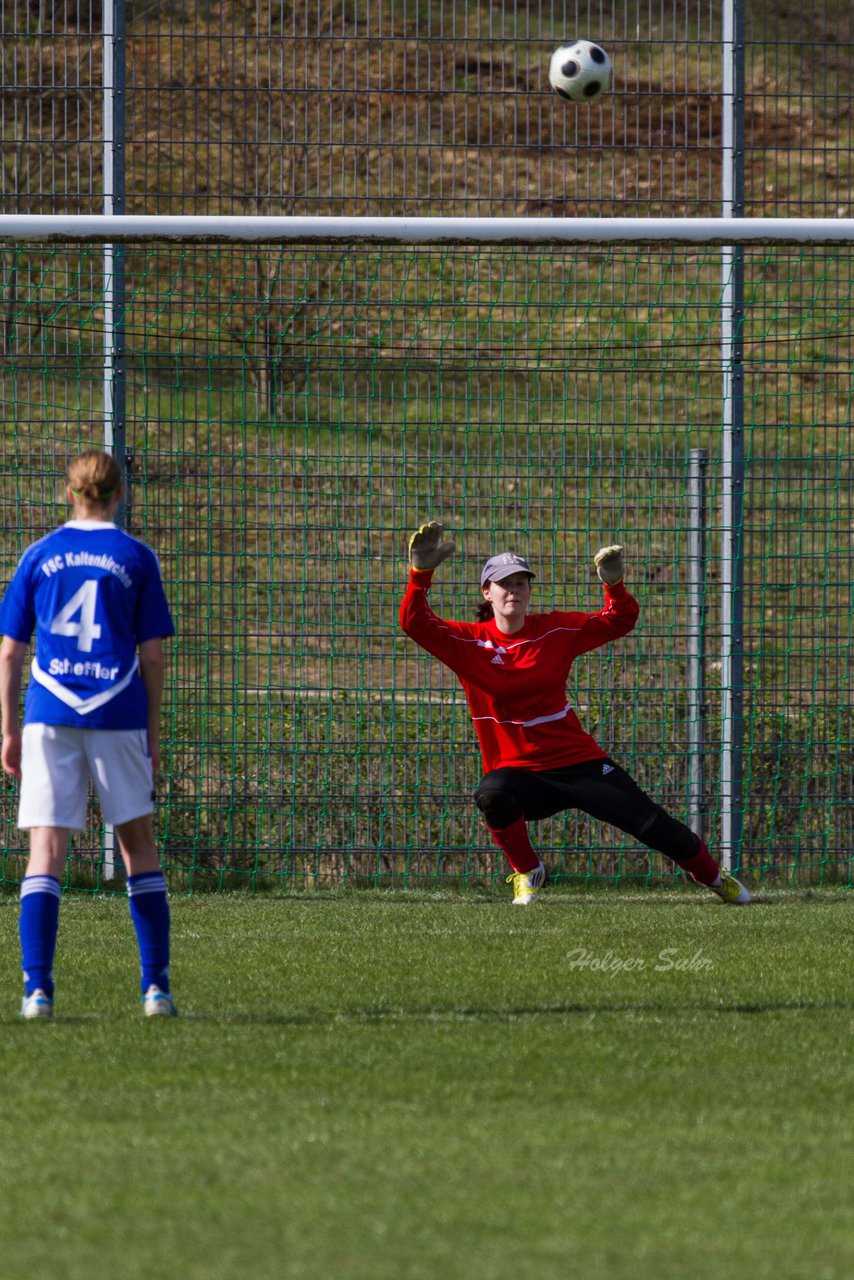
598, 787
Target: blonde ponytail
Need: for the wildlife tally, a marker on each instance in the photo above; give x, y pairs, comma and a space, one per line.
94, 477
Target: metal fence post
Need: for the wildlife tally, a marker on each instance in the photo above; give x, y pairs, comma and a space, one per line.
115, 391
697, 516
732, 446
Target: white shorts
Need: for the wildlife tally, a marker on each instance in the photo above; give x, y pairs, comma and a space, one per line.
57, 763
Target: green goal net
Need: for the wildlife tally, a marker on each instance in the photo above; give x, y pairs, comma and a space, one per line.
293, 412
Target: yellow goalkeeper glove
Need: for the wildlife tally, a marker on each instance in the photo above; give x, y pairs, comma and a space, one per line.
426, 548
609, 564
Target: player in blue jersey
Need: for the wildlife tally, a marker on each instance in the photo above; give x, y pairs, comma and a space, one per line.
93, 595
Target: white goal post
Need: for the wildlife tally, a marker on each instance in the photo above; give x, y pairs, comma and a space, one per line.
728, 232
103, 228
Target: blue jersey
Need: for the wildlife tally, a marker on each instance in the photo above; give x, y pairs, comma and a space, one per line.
93, 594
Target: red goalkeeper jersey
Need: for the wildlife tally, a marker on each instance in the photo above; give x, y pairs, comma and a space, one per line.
516, 685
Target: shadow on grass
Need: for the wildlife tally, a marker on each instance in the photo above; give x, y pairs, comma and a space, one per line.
393, 1017
551, 899
522, 1013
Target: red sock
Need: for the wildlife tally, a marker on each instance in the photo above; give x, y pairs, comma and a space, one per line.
702, 867
516, 845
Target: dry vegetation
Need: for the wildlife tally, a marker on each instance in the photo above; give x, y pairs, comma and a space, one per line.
242, 106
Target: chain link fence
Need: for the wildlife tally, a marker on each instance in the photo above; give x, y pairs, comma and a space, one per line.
291, 415
420, 106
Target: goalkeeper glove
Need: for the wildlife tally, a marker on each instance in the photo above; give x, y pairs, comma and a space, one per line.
426, 548
609, 564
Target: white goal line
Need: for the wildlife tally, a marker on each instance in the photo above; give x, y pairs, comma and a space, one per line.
108, 228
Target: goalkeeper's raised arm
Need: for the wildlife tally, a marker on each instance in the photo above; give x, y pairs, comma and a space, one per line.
513, 665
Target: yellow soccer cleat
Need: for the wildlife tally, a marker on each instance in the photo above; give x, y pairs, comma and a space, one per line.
526, 885
731, 890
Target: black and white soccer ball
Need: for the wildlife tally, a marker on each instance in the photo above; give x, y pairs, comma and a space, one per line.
580, 72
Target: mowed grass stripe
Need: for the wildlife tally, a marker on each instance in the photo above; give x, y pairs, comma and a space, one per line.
399, 1086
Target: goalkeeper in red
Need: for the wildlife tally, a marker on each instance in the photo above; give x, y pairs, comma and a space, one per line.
513, 666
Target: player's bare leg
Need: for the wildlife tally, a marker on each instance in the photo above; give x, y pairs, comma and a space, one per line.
48, 851
137, 845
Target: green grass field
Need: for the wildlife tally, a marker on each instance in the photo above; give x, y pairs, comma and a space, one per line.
388, 1086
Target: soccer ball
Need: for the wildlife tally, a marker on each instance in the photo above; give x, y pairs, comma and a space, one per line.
580, 72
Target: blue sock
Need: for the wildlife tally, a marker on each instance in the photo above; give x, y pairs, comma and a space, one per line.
39, 922
149, 909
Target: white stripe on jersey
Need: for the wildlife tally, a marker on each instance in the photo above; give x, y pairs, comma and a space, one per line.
507, 644
527, 724
82, 705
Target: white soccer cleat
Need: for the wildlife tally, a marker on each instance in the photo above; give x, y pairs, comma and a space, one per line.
731, 890
37, 1005
526, 885
158, 1004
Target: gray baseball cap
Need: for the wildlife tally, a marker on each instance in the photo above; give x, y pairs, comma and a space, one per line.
504, 566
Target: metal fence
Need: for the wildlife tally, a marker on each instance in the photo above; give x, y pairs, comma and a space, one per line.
407, 106
240, 372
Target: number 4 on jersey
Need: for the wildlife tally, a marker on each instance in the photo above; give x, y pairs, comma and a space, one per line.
86, 630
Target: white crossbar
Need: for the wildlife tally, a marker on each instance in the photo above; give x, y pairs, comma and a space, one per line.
104, 228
